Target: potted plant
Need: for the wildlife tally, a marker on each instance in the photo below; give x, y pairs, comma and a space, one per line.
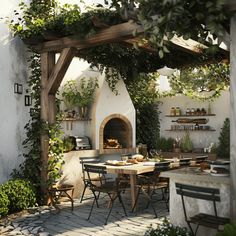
223, 149
71, 96
87, 88
186, 144
79, 95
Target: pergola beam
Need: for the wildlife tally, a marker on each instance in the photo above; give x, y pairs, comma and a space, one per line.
117, 33
59, 70
112, 34
231, 5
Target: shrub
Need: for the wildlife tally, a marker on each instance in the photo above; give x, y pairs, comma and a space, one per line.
223, 150
4, 202
167, 229
186, 144
229, 230
165, 145
20, 193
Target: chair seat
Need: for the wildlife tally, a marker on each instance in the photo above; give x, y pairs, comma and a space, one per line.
159, 185
57, 191
97, 178
108, 187
64, 187
209, 220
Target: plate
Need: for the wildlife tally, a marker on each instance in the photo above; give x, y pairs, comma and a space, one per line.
117, 163
216, 174
222, 175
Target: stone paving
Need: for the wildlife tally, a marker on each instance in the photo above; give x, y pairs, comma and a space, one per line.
46, 221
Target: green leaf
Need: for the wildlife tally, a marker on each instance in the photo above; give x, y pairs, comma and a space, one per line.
161, 53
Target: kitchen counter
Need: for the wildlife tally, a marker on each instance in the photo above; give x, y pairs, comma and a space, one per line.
193, 176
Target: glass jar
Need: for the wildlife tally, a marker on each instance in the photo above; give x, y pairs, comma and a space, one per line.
172, 111
188, 112
177, 111
203, 112
192, 112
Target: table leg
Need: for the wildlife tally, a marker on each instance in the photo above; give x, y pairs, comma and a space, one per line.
133, 189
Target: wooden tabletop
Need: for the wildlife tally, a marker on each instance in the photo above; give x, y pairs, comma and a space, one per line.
132, 169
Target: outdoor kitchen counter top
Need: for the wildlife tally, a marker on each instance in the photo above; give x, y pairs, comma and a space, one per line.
195, 174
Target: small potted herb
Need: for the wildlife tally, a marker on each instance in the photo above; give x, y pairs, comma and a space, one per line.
186, 144
79, 95
71, 96
87, 89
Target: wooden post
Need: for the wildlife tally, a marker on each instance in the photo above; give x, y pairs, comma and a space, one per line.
51, 77
47, 64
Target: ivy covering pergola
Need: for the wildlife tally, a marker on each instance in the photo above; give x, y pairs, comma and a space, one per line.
182, 53
52, 73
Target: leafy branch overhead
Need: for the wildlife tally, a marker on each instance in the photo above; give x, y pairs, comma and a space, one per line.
194, 81
42, 21
163, 19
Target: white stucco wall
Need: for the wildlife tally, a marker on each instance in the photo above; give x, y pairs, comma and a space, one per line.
107, 103
13, 113
220, 107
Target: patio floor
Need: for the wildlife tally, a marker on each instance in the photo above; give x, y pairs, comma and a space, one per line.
45, 221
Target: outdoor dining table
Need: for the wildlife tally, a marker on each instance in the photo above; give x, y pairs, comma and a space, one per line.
132, 170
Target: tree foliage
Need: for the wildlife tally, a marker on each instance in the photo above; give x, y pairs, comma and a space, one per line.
194, 82
188, 19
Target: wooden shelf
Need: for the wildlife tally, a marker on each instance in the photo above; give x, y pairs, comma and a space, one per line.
76, 119
191, 115
203, 130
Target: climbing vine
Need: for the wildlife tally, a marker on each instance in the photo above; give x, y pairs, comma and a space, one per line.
145, 98
45, 20
32, 165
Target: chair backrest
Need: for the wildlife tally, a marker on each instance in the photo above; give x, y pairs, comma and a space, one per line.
201, 158
100, 170
161, 166
198, 192
87, 160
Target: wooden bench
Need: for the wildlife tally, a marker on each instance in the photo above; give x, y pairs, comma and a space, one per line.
201, 219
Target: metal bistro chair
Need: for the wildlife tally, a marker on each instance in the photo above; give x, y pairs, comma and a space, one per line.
204, 193
87, 160
113, 188
150, 182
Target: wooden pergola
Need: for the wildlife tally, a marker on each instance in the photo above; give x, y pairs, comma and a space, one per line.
52, 72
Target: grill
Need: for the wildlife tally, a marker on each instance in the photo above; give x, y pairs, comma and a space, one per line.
82, 143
